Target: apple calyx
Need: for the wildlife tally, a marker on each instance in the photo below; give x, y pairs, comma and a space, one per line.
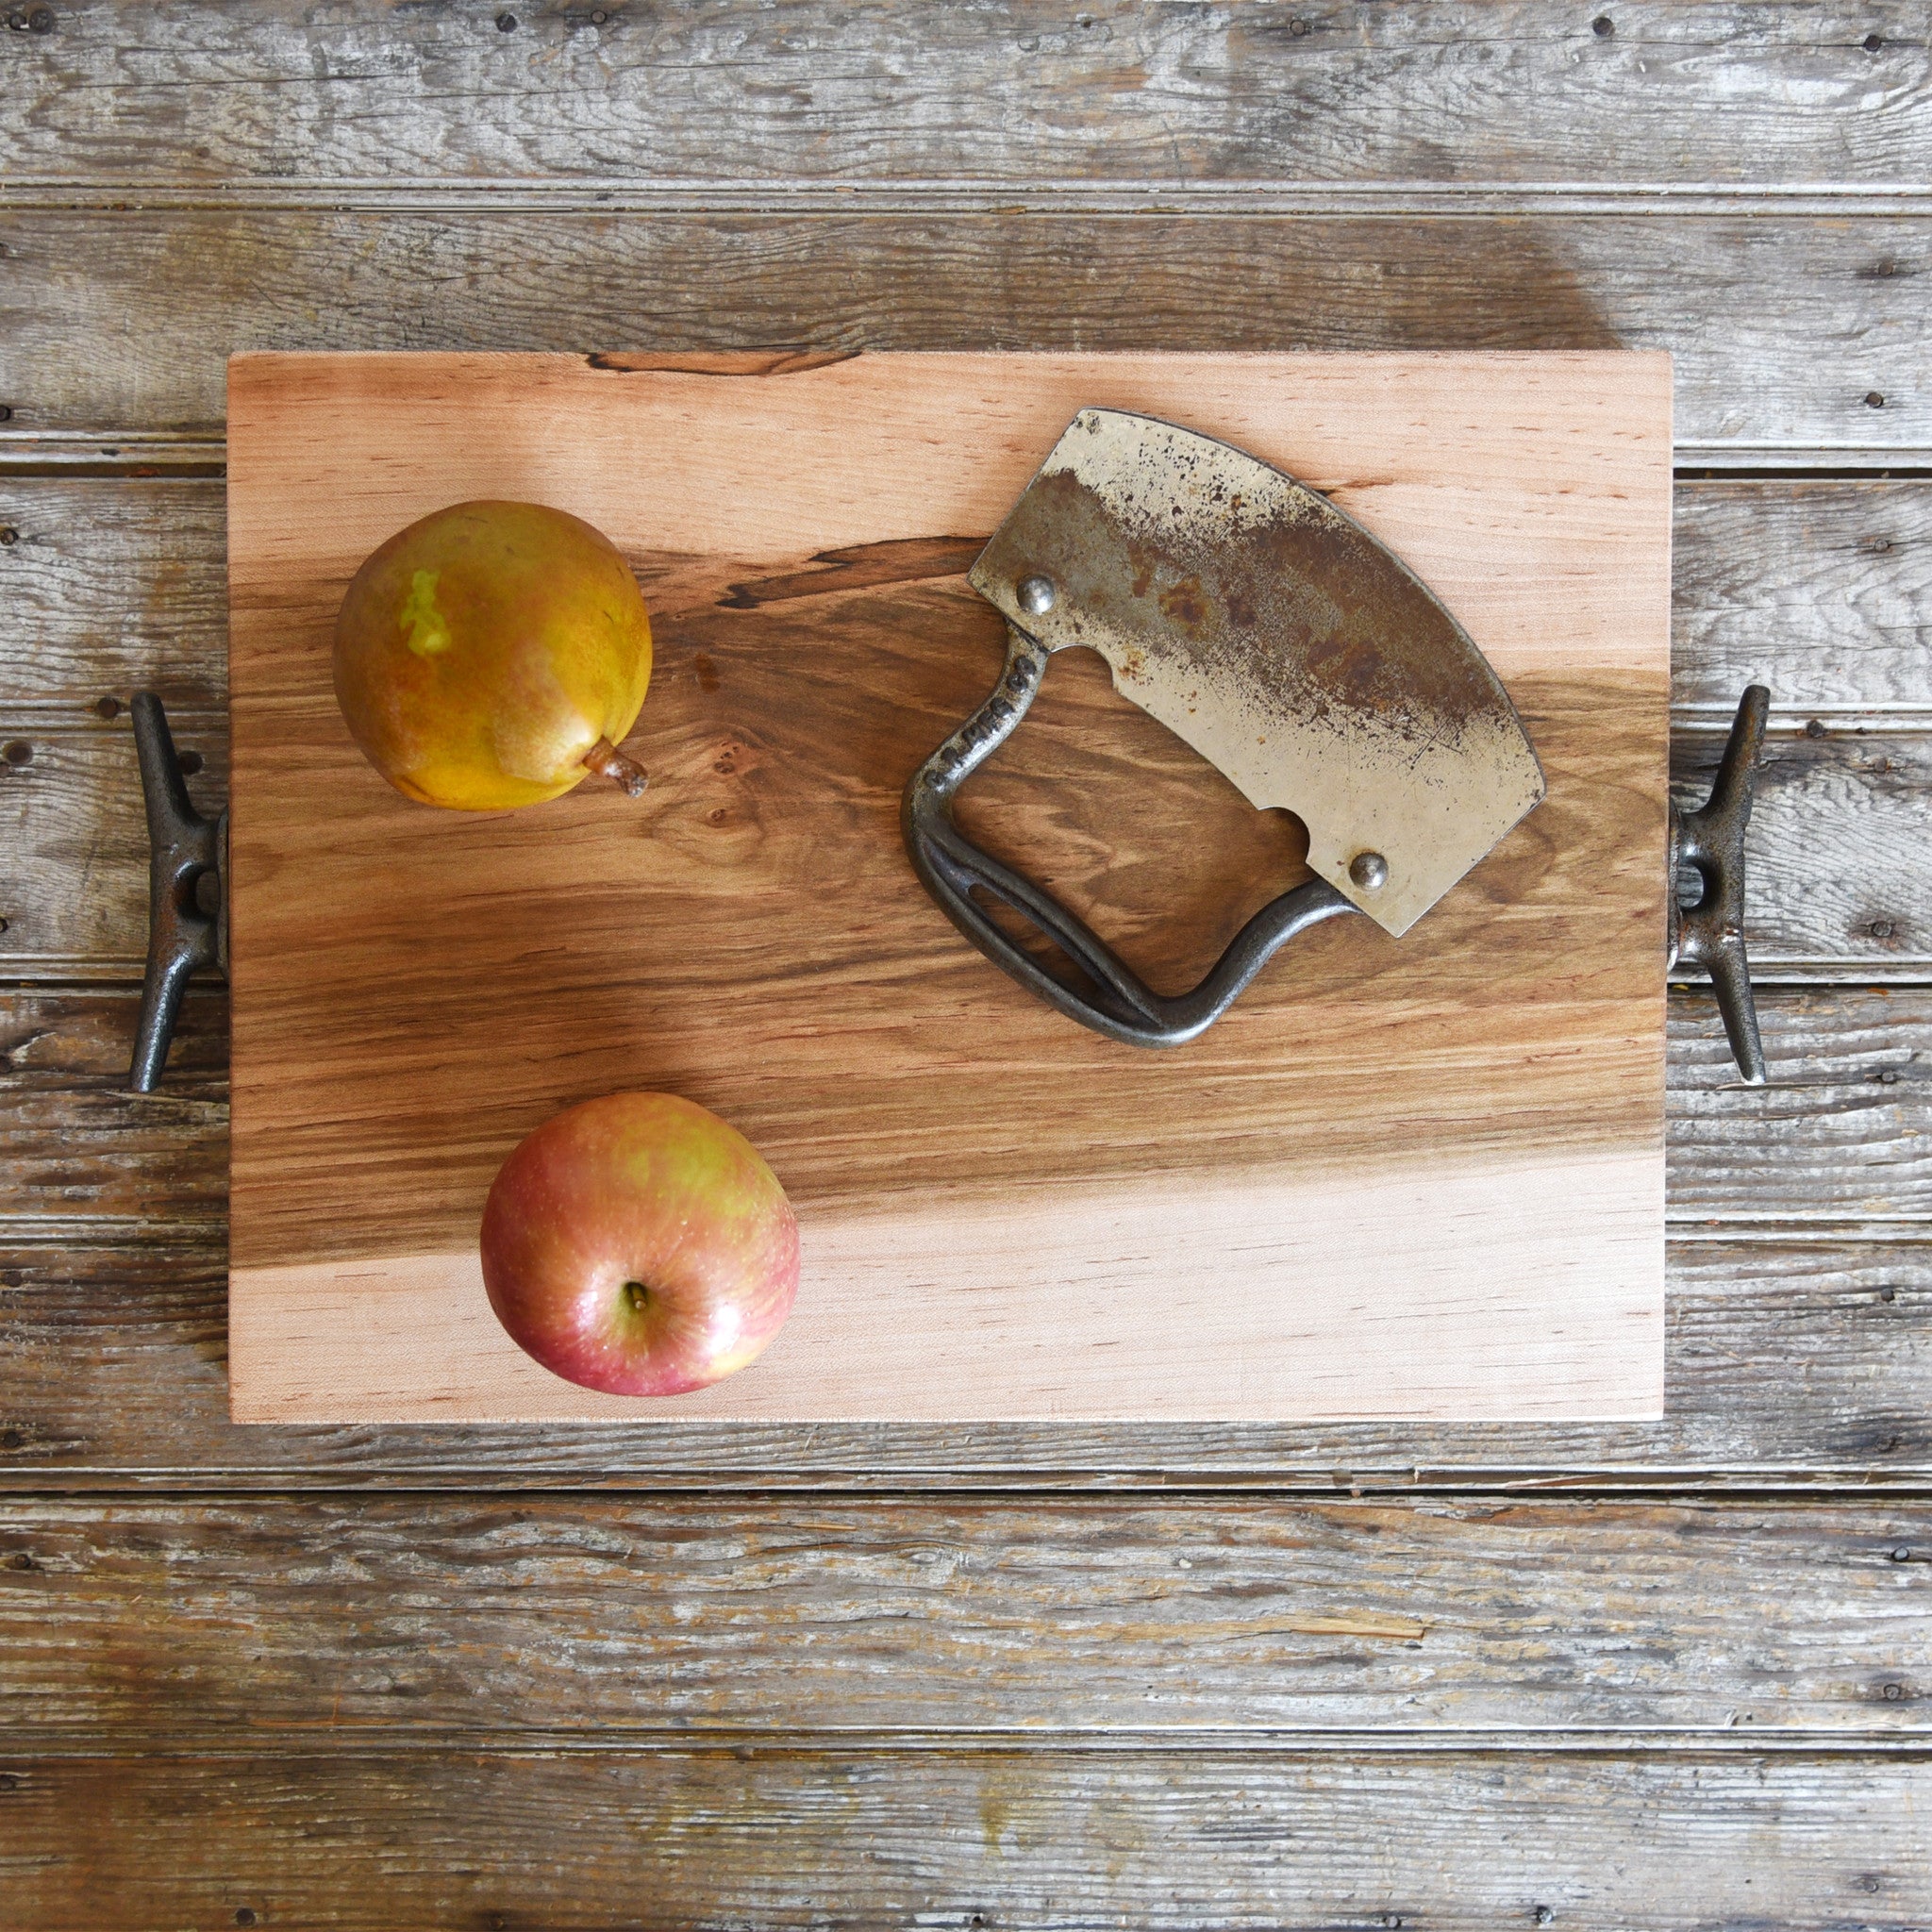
609, 762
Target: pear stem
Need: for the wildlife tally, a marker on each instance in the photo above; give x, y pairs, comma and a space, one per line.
609, 762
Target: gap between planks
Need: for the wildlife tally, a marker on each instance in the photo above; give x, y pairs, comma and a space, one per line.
1731, 1231
30, 1742
1289, 1485
729, 195
151, 453
1899, 719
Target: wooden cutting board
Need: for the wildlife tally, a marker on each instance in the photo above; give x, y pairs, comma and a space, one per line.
1417, 1178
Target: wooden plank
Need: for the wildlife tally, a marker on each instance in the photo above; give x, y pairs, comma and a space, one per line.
365, 1840
109, 585
79, 1144
1841, 1134
1815, 588
1794, 1367
73, 846
1859, 1145
1835, 848
1858, 795
1782, 327
1809, 1359
1790, 1367
811, 996
1812, 1359
799, 93
1812, 586
645, 1617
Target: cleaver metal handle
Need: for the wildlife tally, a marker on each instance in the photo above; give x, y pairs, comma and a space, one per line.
1118, 1002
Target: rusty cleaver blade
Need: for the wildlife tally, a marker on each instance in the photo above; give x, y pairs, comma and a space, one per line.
1279, 638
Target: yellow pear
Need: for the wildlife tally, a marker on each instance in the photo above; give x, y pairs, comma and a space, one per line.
494, 654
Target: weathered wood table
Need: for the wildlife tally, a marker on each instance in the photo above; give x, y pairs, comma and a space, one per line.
1663, 1675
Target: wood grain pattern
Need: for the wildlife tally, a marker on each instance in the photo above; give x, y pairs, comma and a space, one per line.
274, 94
1837, 890
1780, 325
1066, 1188
1531, 1289
393, 1839
1842, 1136
277, 1617
1796, 1364
109, 585
1809, 585
1799, 1366
1815, 586
1841, 1123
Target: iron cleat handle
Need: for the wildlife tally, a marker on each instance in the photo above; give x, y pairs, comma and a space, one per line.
1710, 840
184, 849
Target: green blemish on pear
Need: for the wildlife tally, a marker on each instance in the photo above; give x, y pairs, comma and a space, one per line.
425, 628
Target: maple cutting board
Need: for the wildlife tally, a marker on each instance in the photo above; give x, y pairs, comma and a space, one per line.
1414, 1177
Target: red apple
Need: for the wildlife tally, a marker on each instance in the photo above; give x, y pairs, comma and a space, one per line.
640, 1245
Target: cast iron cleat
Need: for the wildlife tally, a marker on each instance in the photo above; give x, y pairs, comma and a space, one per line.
186, 850
1710, 934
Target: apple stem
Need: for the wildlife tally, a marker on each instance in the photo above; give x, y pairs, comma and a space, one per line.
605, 759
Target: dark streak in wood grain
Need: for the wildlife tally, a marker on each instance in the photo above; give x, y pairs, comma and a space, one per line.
902, 560
735, 362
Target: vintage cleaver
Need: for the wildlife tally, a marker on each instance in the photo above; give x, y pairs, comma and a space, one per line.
1282, 642
1312, 667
